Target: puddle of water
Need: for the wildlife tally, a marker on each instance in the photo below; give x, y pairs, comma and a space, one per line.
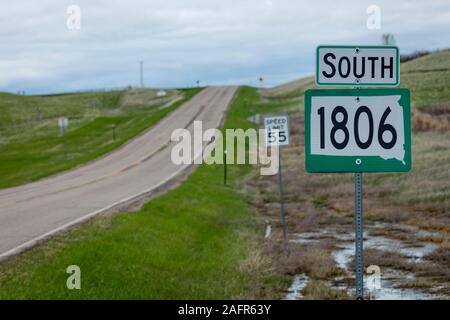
298, 284
408, 228
387, 292
389, 278
311, 237
343, 255
345, 251
304, 241
414, 253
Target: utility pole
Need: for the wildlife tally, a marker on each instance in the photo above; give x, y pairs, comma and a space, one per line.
142, 73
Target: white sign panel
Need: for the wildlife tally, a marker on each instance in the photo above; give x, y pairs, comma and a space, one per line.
277, 131
161, 93
63, 122
372, 126
358, 66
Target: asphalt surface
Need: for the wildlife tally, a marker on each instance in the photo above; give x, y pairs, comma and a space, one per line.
34, 212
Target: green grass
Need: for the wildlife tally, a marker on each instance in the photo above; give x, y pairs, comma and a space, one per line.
428, 88
433, 61
191, 243
427, 77
427, 186
184, 245
31, 146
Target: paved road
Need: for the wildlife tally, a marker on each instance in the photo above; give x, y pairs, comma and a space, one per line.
33, 212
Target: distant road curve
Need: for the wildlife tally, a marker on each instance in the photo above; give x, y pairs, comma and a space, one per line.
31, 213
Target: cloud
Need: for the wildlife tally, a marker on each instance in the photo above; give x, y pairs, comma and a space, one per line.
231, 41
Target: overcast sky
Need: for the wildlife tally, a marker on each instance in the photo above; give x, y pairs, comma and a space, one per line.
180, 41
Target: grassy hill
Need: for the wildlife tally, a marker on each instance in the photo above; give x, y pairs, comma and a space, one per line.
428, 78
32, 147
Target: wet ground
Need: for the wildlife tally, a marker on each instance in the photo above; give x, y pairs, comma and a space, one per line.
298, 284
384, 283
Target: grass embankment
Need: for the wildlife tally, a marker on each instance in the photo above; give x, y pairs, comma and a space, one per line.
31, 146
198, 241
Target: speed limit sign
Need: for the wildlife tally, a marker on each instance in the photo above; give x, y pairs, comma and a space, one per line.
277, 131
359, 130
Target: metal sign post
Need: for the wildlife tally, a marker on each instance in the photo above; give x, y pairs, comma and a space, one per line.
65, 144
277, 134
359, 233
363, 130
359, 248
280, 185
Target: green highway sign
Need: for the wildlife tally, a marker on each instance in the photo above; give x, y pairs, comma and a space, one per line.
357, 66
357, 130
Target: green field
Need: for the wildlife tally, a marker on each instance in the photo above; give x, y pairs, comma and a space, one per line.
32, 147
199, 241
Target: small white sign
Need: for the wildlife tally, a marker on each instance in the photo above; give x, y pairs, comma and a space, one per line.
161, 93
355, 66
277, 131
63, 122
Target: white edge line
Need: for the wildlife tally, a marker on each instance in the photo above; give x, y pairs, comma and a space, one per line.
31, 243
